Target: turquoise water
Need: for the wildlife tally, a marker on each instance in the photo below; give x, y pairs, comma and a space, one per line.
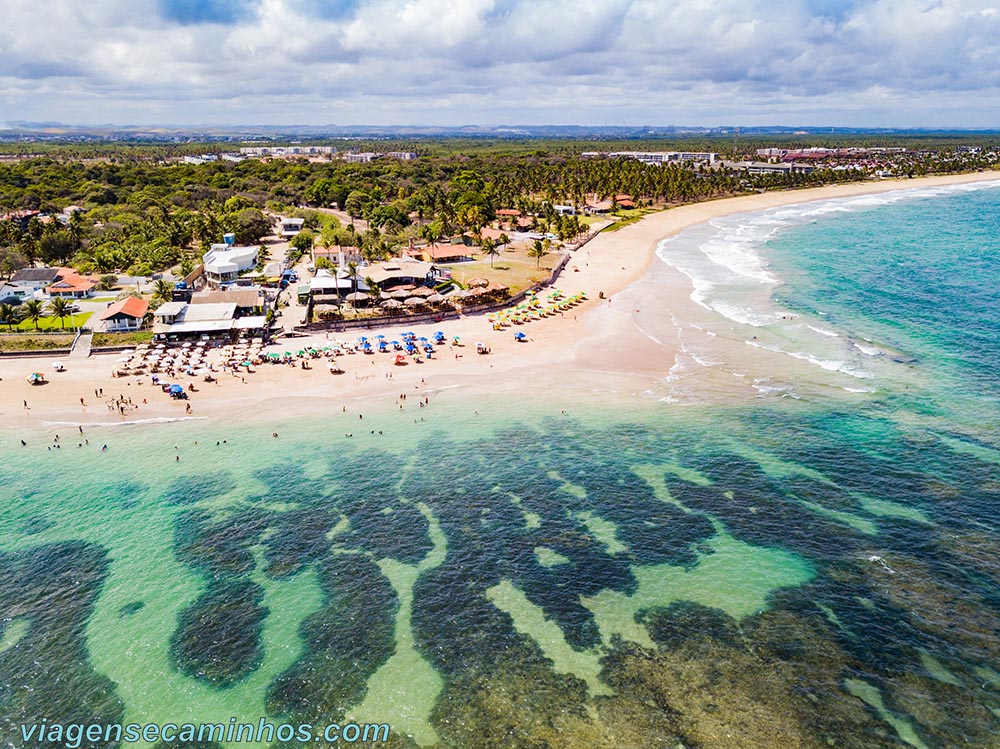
813, 565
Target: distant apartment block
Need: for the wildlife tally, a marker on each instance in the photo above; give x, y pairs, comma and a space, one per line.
361, 158
402, 155
657, 157
204, 158
767, 167
258, 151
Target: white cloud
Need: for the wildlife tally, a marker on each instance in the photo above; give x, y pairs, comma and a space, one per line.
892, 62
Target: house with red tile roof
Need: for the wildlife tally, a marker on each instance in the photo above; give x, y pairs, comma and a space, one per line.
125, 315
72, 286
441, 253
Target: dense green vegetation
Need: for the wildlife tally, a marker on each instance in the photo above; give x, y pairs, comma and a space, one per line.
142, 214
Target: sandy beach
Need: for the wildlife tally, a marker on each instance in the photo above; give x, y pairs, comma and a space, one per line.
597, 341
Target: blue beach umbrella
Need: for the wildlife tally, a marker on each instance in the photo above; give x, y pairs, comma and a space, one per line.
175, 389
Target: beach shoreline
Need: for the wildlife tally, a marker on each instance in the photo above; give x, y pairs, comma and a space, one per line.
594, 346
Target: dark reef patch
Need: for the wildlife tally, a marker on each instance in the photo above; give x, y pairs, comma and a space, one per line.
219, 546
131, 609
345, 643
190, 489
218, 637
48, 674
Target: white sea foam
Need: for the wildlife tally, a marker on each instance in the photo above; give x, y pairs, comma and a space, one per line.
830, 365
867, 350
742, 315
729, 274
157, 420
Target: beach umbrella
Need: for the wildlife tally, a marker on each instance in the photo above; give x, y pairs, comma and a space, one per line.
175, 389
362, 339
380, 335
414, 301
160, 346
186, 344
519, 336
391, 304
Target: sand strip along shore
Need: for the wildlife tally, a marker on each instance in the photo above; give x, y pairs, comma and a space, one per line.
560, 348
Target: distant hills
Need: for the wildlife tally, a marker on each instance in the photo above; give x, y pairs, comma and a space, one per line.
14, 130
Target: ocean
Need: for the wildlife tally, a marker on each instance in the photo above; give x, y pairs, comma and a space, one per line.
789, 539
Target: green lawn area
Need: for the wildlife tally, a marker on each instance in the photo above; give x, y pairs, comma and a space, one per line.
624, 218
121, 339
17, 342
52, 323
514, 269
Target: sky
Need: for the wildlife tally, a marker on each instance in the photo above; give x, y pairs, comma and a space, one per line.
852, 63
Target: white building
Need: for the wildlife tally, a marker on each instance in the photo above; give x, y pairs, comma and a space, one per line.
224, 262
289, 227
658, 157
178, 320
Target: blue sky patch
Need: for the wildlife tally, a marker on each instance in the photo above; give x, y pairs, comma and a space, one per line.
193, 12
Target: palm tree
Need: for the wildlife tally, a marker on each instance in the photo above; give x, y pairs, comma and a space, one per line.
352, 271
60, 309
489, 247
32, 310
10, 315
503, 239
163, 291
538, 251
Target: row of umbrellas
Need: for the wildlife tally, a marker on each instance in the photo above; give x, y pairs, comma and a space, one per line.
534, 308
